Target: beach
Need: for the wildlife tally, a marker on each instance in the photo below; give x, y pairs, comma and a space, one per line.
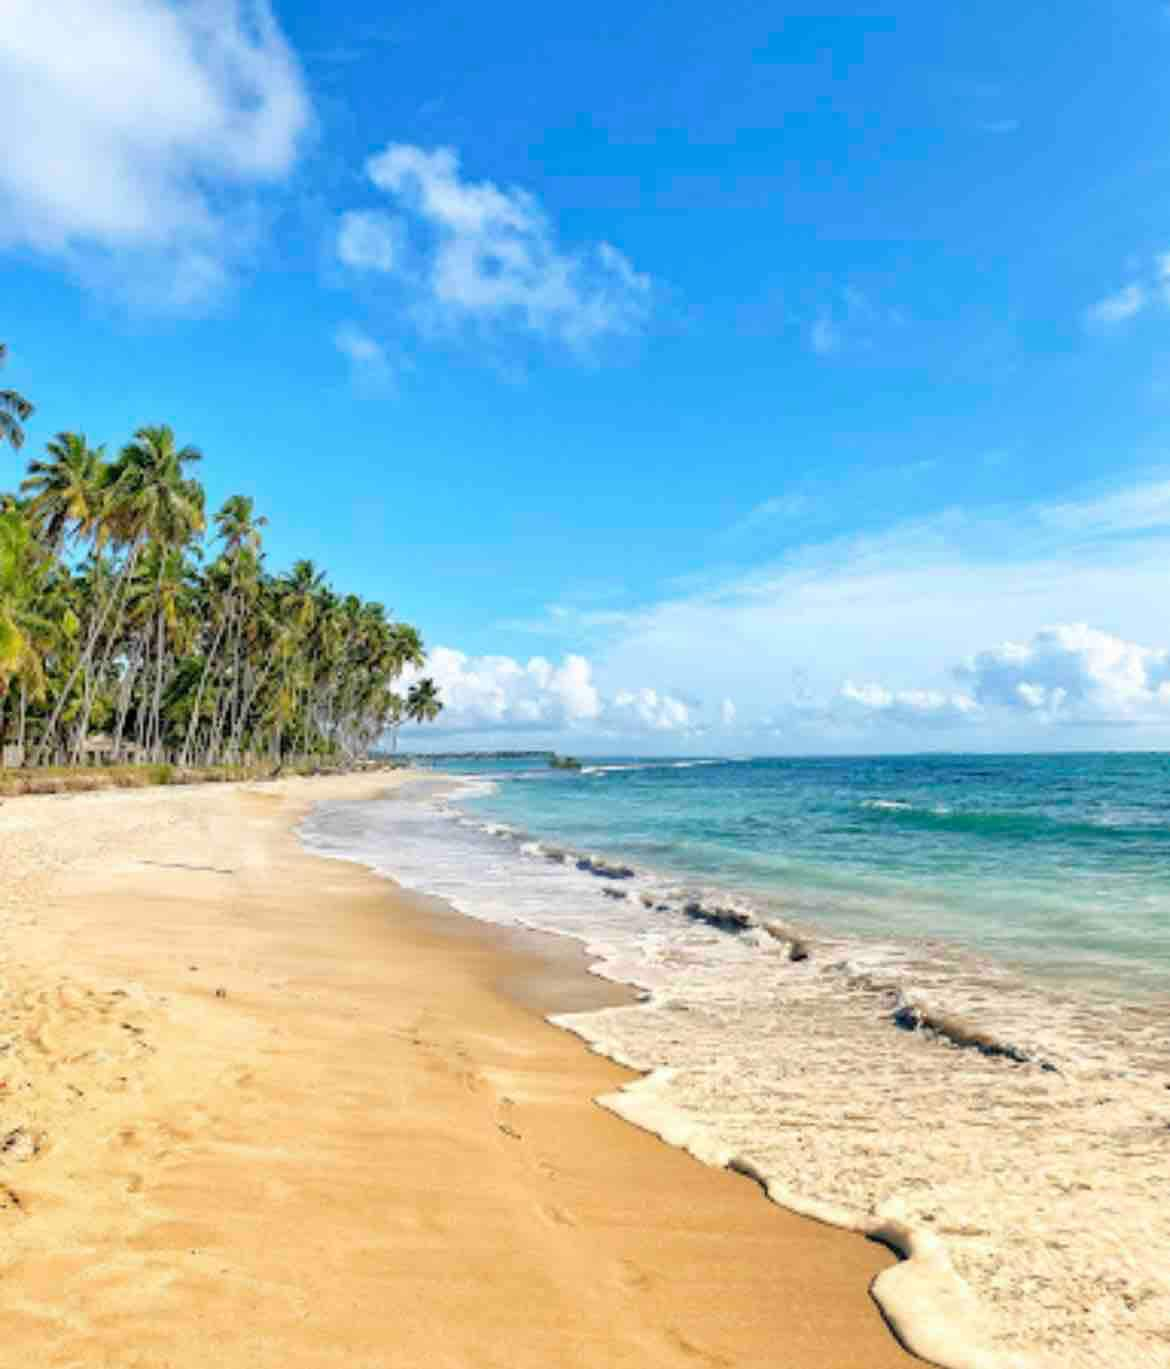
264, 1108
856, 1043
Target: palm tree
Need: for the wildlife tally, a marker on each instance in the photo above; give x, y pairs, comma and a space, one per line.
421, 705
21, 626
154, 502
69, 491
15, 411
107, 618
147, 499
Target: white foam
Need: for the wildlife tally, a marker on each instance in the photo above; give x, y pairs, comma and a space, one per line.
1029, 1205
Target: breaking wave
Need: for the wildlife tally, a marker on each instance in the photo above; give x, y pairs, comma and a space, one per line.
1009, 1140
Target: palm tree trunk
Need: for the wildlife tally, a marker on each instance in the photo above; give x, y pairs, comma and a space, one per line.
86, 655
20, 731
156, 708
207, 664
124, 696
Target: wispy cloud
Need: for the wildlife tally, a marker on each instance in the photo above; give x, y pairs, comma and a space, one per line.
1150, 286
137, 134
781, 509
368, 358
848, 318
899, 606
1116, 308
369, 240
1133, 509
472, 255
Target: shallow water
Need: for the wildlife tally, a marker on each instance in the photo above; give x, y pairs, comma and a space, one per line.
1025, 897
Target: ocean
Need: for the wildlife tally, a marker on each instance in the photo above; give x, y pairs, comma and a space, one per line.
927, 997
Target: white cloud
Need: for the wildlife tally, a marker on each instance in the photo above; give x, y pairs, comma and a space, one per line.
900, 606
916, 707
481, 256
136, 133
369, 241
498, 694
365, 354
1117, 308
1128, 510
1074, 673
645, 710
780, 509
727, 713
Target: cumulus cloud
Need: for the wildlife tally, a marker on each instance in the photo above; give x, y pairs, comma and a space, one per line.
500, 694
907, 706
1070, 673
1073, 673
137, 131
470, 253
727, 713
645, 710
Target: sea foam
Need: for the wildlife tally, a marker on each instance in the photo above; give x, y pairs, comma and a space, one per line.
1012, 1142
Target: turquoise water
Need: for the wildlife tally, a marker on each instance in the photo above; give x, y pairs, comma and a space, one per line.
1057, 863
788, 922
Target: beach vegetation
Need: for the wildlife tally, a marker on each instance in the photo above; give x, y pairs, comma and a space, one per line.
136, 630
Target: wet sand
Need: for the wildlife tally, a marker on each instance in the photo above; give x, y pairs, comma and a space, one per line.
262, 1109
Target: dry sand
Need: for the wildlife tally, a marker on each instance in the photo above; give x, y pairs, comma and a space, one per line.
262, 1109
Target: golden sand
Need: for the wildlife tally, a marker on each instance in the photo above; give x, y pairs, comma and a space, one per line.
262, 1109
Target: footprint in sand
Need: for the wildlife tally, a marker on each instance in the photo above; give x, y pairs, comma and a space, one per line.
678, 1341
632, 1277
504, 1119
557, 1216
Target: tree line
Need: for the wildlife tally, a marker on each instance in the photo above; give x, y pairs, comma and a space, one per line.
135, 627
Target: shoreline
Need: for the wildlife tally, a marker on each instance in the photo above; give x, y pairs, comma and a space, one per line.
369, 1149
1022, 1183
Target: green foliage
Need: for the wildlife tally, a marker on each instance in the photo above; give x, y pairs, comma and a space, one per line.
128, 632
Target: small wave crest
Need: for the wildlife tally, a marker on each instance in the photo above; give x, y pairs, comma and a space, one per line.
1006, 824
624, 767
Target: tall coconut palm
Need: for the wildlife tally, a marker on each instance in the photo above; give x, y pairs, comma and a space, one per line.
106, 618
15, 411
148, 498
421, 705
67, 492
21, 626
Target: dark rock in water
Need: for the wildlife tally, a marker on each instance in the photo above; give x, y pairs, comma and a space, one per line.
598, 867
610, 892
726, 919
912, 1016
554, 855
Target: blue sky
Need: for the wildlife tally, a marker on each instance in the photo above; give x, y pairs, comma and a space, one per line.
742, 380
